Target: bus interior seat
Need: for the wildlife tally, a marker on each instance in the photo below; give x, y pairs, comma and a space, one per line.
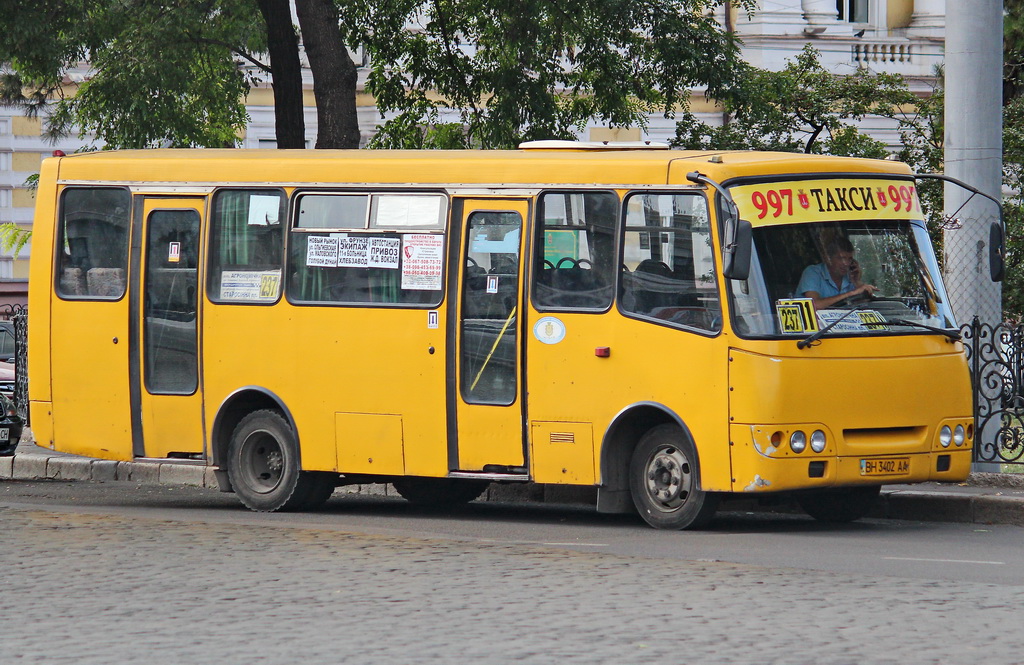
105, 281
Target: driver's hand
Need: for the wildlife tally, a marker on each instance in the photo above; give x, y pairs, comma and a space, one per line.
855, 272
868, 289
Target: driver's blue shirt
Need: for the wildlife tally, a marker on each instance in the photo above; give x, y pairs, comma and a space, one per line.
818, 279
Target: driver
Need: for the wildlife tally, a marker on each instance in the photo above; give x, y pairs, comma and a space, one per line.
836, 279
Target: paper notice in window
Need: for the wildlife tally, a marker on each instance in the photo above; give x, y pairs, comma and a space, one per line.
422, 261
384, 252
258, 285
263, 210
353, 252
321, 251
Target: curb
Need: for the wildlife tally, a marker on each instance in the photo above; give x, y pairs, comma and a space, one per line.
896, 503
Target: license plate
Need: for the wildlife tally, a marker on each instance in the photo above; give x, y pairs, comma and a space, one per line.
5, 434
885, 466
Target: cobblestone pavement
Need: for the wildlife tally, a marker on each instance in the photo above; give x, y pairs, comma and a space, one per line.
95, 588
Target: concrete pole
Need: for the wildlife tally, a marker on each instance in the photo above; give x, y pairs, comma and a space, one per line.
973, 153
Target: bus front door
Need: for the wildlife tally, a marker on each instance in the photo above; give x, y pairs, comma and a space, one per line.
165, 386
487, 359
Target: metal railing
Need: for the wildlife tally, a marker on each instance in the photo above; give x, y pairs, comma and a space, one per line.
995, 354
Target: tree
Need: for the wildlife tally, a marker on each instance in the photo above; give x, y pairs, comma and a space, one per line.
286, 69
334, 74
479, 73
802, 108
161, 72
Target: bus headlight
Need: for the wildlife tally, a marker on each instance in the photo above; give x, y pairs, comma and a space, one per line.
797, 441
945, 436
818, 441
958, 435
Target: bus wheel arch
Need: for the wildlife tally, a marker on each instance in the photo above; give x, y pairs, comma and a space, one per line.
645, 441
617, 447
232, 410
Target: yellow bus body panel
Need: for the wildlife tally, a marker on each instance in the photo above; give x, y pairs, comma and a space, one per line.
873, 398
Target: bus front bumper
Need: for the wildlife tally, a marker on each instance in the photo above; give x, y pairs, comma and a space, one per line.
757, 467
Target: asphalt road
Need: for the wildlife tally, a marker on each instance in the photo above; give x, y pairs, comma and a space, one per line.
114, 572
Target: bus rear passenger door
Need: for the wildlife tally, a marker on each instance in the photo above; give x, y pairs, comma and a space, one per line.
485, 397
166, 395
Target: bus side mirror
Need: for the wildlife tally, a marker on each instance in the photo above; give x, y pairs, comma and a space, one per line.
737, 261
997, 252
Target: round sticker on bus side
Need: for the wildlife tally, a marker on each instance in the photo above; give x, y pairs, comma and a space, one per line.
549, 330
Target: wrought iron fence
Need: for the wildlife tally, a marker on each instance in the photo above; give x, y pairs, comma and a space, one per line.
995, 354
20, 319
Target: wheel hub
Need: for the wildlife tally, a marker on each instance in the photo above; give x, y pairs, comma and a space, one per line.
262, 461
668, 478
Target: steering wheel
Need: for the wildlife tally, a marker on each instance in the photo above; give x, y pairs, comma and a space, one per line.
562, 260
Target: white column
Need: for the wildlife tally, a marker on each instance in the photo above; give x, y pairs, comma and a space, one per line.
929, 17
819, 14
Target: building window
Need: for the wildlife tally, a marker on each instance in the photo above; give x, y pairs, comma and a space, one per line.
853, 11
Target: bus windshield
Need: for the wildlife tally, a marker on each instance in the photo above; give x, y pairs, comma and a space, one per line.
793, 264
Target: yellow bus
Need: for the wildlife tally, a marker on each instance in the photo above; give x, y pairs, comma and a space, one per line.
616, 316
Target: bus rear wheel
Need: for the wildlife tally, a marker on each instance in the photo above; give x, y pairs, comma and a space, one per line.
664, 481
439, 491
844, 504
263, 466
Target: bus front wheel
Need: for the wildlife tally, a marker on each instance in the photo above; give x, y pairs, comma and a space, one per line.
844, 504
664, 481
263, 466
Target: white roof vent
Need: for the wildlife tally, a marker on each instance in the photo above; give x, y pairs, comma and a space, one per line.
592, 145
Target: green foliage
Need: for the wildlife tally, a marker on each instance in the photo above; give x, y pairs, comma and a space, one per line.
536, 69
1013, 208
802, 108
13, 238
1013, 49
161, 72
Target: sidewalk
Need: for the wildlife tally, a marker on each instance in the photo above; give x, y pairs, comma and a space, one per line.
986, 498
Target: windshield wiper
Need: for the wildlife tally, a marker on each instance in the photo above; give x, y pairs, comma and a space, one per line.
814, 337
951, 334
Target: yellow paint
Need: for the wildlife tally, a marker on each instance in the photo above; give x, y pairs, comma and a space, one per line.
23, 198
26, 161
614, 134
562, 453
365, 383
369, 443
24, 126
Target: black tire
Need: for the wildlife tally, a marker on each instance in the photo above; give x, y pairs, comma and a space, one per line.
844, 504
264, 470
439, 491
664, 481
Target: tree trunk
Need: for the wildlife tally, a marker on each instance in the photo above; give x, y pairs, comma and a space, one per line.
286, 73
334, 74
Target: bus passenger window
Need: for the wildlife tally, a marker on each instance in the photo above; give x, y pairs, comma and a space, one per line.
668, 268
92, 256
371, 268
246, 245
574, 262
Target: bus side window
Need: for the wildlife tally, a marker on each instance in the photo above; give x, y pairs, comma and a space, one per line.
574, 264
246, 245
668, 270
92, 256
